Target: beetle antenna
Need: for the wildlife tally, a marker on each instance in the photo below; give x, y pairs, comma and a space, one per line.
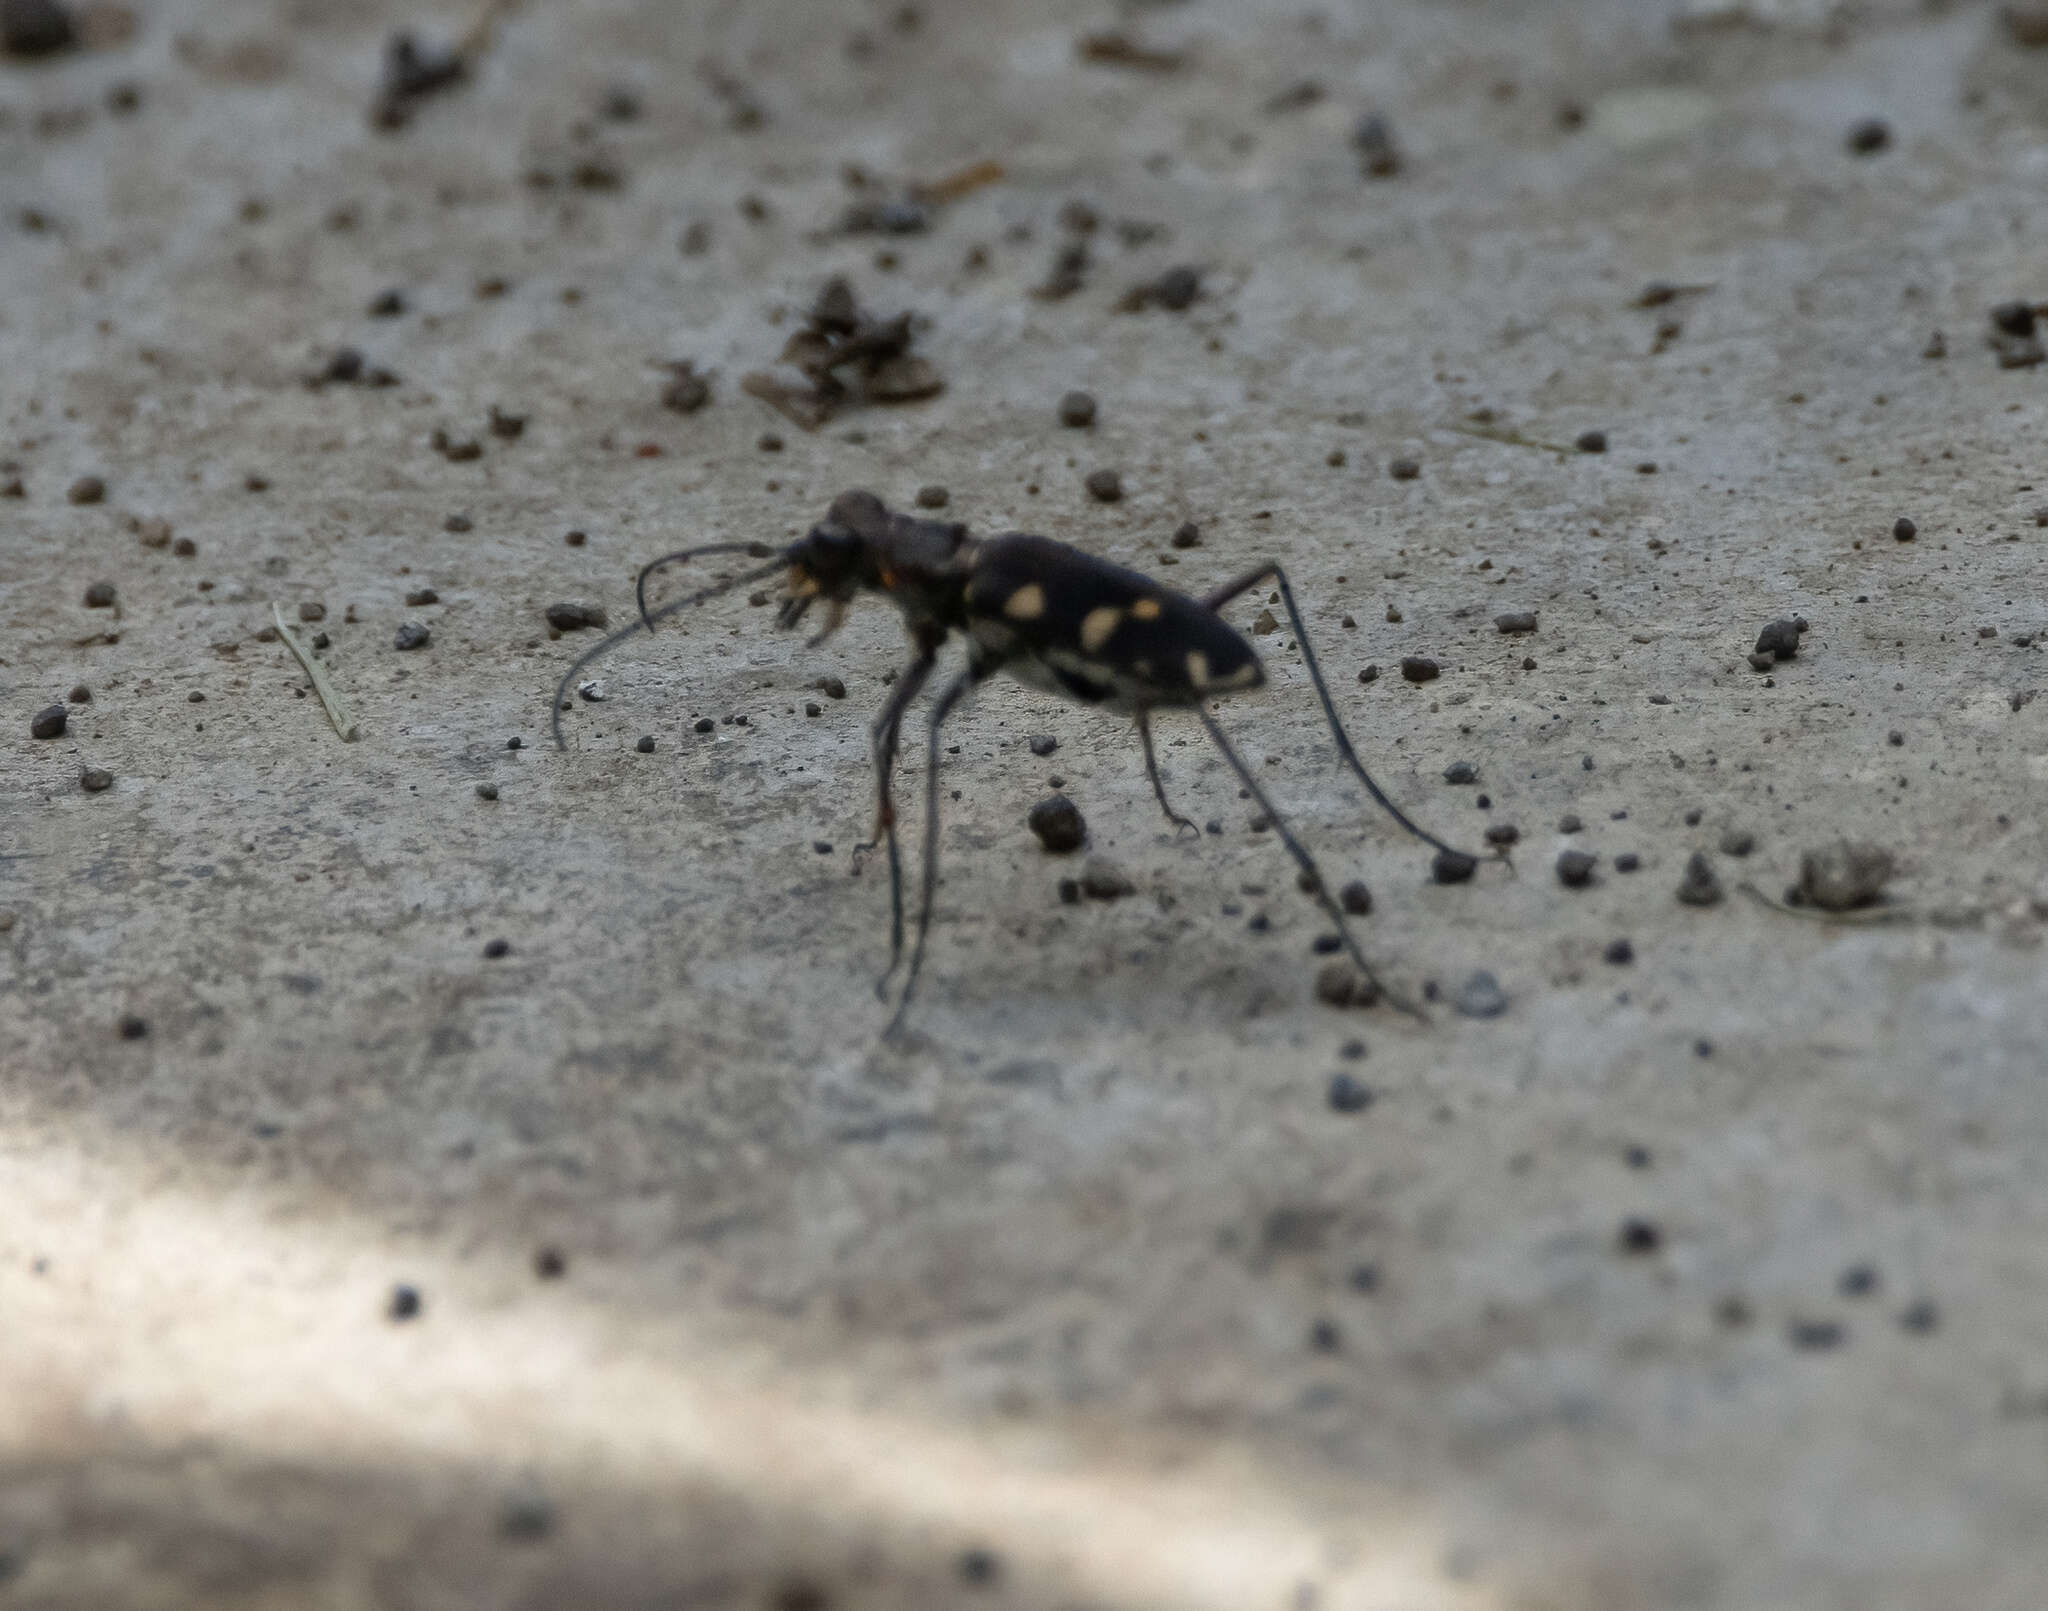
648, 618
758, 550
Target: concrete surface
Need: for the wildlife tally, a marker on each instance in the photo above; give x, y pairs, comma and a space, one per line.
1087, 1275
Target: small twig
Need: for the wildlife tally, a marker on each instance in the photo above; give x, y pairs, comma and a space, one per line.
1511, 438
321, 686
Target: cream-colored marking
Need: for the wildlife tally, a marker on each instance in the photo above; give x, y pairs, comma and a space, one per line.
1198, 668
1099, 625
1244, 676
1026, 604
1146, 609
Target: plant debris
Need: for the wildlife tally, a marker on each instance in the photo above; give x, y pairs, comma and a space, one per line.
838, 334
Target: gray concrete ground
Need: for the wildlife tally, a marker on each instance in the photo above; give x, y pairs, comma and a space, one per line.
1714, 1278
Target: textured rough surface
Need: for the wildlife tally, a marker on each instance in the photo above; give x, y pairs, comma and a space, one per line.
726, 1304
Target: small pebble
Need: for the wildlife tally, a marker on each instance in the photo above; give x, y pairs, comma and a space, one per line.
508, 426
49, 722
550, 1263
405, 1302
1369, 674
1340, 984
1058, 823
1858, 1281
1404, 469
1815, 1336
1043, 743
565, 617
1105, 486
932, 497
822, 846
1920, 1317
497, 948
184, 548
1904, 530
100, 596
575, 539
1575, 868
1077, 410
154, 533
412, 636
195, 698
1453, 866
1619, 952
1868, 137
95, 780
1737, 842
132, 1027
515, 743
1348, 1095
1480, 996
1461, 772
312, 611
86, 489
1591, 442
487, 791
769, 442
388, 304
1379, 155
1355, 898
831, 687
1844, 876
1189, 535
646, 744
1701, 885
1761, 662
1627, 862
420, 597
1779, 638
1569, 823
1516, 621
1638, 1236
705, 724
813, 708
1419, 668
1102, 880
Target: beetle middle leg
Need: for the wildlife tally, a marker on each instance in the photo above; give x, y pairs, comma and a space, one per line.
1152, 772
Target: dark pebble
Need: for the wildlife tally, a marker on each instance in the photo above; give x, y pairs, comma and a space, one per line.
1503, 834
1077, 410
509, 426
411, 636
497, 948
550, 1263
813, 708
1638, 1236
1364, 1278
49, 722
769, 442
420, 597
95, 780
1619, 952
1761, 662
100, 596
1480, 996
1816, 1335
36, 27
1324, 945
1591, 442
575, 539
1404, 469
458, 524
1920, 1317
133, 1027
1869, 137
515, 743
705, 724
1627, 862
1370, 674
1187, 535
1105, 486
1379, 155
312, 610
1070, 891
1355, 898
1569, 823
2013, 318
1102, 880
1453, 866
832, 687
195, 698
980, 1567
1352, 1050
1339, 984
1858, 1281
565, 617
405, 1302
1348, 1095
87, 489
1701, 885
646, 744
184, 548
1461, 772
487, 791
1904, 529
1058, 823
1043, 743
1516, 621
1419, 668
1779, 638
1736, 842
822, 846
1575, 868
1845, 875
933, 497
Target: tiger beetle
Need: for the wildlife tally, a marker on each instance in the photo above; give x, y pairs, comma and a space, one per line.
1056, 619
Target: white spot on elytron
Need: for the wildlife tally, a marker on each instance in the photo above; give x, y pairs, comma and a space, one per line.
1146, 609
1198, 668
1026, 604
1099, 625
